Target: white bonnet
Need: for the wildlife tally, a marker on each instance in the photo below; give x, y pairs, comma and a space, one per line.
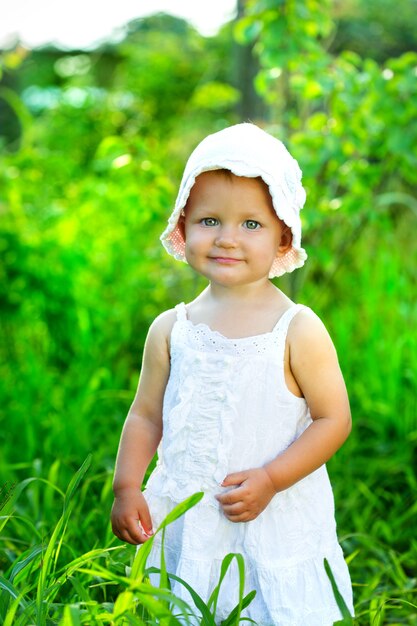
248, 151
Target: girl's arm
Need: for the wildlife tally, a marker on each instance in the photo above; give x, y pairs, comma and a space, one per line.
142, 431
313, 362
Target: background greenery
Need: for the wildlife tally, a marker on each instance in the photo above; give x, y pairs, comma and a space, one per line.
93, 146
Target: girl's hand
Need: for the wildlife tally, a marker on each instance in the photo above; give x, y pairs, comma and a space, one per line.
130, 516
253, 492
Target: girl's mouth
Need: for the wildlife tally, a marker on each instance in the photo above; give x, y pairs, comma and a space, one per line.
225, 260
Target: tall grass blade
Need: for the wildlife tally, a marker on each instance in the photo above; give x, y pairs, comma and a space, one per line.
6, 492
71, 616
9, 618
347, 617
34, 532
163, 578
8, 609
44, 588
125, 602
234, 616
377, 610
21, 563
207, 617
157, 601
12, 591
139, 563
181, 508
143, 552
80, 589
76, 479
223, 570
132, 620
215, 593
160, 611
80, 561
105, 574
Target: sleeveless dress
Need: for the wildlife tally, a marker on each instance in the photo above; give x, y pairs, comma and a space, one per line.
226, 409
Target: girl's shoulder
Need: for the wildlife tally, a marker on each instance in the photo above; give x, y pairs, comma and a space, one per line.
308, 338
159, 334
162, 325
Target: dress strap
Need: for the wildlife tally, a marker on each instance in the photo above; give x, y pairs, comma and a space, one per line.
181, 312
284, 321
281, 328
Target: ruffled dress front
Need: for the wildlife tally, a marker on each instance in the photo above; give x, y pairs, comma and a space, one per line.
227, 408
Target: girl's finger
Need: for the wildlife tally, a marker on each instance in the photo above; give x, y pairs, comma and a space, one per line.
145, 518
124, 535
135, 536
130, 529
230, 497
135, 532
236, 478
234, 509
242, 517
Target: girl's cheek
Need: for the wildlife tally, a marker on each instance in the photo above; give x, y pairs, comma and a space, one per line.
195, 240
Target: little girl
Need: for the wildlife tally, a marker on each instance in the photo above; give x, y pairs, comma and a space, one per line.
242, 391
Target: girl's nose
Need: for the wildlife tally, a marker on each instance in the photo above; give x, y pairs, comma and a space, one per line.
226, 238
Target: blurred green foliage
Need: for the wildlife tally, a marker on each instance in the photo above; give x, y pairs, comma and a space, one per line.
93, 146
352, 125
377, 29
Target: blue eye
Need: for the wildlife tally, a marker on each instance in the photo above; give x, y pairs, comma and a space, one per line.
209, 221
252, 225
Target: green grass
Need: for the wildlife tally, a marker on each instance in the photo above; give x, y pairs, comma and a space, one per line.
59, 568
41, 587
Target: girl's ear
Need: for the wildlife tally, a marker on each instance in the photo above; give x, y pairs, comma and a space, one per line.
286, 239
181, 224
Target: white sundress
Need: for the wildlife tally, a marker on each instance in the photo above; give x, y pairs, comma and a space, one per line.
226, 409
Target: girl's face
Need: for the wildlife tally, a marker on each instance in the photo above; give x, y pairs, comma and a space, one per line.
232, 233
